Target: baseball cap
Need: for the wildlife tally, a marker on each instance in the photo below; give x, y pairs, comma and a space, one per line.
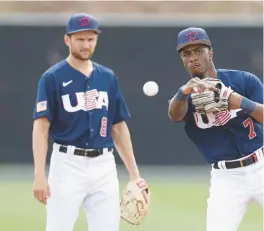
82, 22
192, 35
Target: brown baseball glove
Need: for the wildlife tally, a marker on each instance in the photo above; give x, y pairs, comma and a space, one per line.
135, 202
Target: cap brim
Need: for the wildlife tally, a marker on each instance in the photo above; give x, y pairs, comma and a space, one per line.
204, 42
75, 31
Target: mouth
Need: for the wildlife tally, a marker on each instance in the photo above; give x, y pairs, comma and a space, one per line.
195, 66
85, 51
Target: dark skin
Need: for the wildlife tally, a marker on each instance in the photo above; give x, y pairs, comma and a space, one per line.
197, 60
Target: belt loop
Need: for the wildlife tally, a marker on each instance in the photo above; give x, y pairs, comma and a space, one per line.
71, 150
106, 150
259, 154
219, 164
224, 165
56, 147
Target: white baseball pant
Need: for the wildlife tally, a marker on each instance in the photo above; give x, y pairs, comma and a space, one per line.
231, 192
77, 181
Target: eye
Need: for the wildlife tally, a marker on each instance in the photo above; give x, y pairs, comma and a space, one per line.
198, 51
185, 55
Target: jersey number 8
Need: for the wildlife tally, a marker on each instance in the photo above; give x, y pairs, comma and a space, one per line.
103, 129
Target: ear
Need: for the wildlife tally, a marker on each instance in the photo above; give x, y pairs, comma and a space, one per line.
67, 40
211, 54
181, 55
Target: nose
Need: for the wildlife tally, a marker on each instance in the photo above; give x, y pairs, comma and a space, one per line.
86, 44
193, 57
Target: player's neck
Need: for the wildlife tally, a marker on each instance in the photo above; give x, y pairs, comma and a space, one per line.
211, 72
84, 66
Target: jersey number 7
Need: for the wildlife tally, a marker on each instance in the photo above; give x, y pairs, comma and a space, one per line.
249, 122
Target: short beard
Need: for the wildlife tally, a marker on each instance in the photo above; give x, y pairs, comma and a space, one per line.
79, 57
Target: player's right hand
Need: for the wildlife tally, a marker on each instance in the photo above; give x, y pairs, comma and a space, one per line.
41, 188
196, 85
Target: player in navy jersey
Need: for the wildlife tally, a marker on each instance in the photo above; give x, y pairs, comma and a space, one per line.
80, 106
233, 145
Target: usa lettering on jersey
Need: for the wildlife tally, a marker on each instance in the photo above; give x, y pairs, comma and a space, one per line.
218, 119
86, 101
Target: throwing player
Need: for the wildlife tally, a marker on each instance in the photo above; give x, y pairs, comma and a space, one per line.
80, 105
231, 140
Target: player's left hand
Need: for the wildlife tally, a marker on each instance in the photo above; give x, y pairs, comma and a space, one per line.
135, 201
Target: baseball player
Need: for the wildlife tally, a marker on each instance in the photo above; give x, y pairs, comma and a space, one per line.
79, 104
223, 115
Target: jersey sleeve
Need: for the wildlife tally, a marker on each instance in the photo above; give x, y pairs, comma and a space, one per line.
121, 112
46, 98
254, 88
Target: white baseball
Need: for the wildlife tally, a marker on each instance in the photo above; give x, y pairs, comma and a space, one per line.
150, 88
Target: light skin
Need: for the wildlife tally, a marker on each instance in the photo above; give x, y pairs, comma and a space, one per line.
198, 61
81, 47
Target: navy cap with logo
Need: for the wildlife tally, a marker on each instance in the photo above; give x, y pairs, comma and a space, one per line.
82, 22
192, 35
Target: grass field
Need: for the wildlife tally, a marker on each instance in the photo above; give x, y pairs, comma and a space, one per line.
175, 206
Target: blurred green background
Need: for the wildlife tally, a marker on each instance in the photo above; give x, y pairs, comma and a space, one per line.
178, 203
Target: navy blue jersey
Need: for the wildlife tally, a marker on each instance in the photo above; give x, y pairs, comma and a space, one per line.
241, 135
81, 110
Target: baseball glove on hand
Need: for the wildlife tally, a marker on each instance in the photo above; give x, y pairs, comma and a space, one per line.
212, 101
135, 202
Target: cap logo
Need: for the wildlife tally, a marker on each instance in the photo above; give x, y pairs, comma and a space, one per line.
191, 36
85, 21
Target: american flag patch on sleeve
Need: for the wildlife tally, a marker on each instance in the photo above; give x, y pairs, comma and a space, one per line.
41, 106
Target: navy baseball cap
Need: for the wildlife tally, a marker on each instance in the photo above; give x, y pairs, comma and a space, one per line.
82, 22
192, 35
